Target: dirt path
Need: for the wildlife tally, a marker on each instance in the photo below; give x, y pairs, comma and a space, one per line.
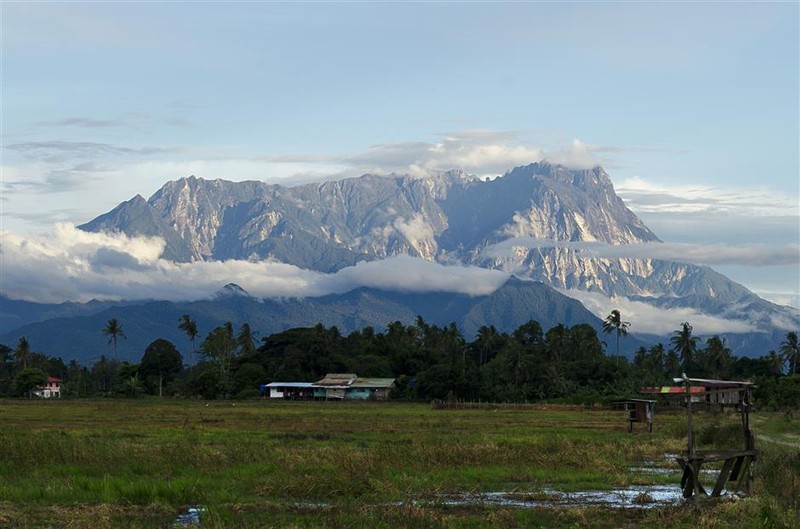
762, 437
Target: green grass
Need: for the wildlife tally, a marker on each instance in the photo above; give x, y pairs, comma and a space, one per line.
117, 463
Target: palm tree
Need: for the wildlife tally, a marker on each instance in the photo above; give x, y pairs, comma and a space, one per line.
113, 330
718, 356
790, 351
685, 344
246, 340
22, 352
189, 326
613, 323
774, 363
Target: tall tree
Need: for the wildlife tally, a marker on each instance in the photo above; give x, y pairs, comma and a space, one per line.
719, 361
189, 326
614, 324
790, 351
28, 379
487, 344
22, 352
163, 360
246, 340
774, 363
113, 330
685, 344
220, 347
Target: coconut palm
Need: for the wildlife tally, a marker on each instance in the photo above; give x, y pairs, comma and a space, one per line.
790, 351
189, 326
246, 340
22, 352
614, 324
718, 357
113, 330
685, 344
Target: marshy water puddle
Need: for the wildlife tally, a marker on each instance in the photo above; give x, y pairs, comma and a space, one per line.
191, 518
638, 496
635, 496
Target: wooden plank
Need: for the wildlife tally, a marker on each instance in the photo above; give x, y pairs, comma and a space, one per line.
743, 485
687, 482
698, 487
737, 467
723, 476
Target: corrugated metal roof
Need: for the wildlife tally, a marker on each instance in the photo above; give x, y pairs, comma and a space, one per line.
337, 379
672, 390
373, 383
289, 385
712, 383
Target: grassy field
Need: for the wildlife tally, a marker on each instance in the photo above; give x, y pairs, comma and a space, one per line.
143, 463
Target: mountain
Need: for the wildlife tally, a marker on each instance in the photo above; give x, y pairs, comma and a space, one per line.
17, 313
511, 305
447, 217
450, 217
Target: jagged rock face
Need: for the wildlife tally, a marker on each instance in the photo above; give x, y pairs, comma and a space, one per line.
450, 217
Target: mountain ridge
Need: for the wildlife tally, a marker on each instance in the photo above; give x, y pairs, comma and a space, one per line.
449, 218
80, 337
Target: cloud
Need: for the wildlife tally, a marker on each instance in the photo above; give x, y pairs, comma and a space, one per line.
133, 120
69, 264
701, 254
649, 197
648, 319
417, 232
83, 122
482, 152
55, 151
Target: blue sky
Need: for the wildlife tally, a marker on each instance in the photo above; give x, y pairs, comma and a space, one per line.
691, 107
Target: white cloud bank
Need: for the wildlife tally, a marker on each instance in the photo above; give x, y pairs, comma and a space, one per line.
755, 255
648, 319
70, 264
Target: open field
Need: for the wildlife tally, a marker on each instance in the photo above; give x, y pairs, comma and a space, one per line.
142, 463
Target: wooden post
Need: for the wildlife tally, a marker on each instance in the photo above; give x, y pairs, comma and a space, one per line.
690, 441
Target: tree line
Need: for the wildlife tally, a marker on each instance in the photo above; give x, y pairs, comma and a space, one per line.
429, 362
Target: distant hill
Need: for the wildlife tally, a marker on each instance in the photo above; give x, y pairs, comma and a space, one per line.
510, 306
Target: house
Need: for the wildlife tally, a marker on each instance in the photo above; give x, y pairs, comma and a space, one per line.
639, 410
719, 393
334, 386
51, 389
674, 395
370, 389
289, 390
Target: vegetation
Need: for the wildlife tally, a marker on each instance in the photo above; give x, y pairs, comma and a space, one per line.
140, 463
614, 324
113, 330
562, 364
121, 462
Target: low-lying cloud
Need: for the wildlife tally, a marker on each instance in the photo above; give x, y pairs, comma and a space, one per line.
701, 254
649, 319
70, 264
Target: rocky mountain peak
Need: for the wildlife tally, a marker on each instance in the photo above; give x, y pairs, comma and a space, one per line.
231, 290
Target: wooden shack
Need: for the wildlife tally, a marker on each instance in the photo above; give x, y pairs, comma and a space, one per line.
639, 410
736, 464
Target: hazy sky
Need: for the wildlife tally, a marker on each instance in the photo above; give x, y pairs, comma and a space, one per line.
692, 108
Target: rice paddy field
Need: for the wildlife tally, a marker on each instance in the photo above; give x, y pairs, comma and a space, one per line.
153, 463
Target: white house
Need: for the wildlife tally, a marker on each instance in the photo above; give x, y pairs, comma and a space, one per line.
51, 389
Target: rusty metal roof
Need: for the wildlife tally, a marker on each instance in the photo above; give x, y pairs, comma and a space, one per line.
671, 390
337, 379
373, 383
712, 383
